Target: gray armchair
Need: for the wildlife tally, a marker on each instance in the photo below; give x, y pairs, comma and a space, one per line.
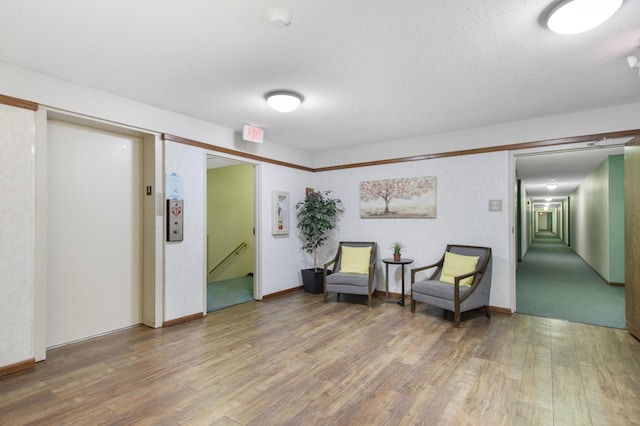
455, 297
341, 276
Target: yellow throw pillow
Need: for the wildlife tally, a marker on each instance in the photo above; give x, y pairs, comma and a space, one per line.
457, 264
355, 260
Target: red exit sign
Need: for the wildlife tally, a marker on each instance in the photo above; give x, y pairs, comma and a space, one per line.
252, 134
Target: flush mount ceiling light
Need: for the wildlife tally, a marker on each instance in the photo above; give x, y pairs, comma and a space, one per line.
578, 16
284, 100
552, 186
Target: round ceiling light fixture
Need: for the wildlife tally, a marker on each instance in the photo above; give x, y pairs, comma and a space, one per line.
578, 16
284, 100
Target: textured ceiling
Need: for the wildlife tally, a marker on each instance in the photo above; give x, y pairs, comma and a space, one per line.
370, 70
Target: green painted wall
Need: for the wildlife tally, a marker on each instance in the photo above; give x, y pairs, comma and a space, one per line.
597, 218
616, 218
230, 220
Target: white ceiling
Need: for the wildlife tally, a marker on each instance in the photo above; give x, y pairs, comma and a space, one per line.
370, 70
566, 167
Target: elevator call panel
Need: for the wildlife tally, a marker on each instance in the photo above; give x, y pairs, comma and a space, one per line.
175, 215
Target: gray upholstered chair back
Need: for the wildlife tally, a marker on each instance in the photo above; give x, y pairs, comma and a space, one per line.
354, 244
481, 252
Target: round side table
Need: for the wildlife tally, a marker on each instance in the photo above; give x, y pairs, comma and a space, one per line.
389, 261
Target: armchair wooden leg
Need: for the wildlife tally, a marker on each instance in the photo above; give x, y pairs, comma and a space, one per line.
487, 311
413, 306
456, 318
325, 297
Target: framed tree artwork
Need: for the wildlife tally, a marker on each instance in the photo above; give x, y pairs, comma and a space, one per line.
398, 198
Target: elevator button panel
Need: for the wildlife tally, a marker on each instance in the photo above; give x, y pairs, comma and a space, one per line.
175, 215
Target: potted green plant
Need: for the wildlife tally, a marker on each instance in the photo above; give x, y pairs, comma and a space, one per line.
397, 250
317, 215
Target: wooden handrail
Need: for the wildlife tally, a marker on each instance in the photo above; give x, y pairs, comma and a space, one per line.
233, 252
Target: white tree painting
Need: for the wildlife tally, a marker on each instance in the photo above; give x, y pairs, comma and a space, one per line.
398, 198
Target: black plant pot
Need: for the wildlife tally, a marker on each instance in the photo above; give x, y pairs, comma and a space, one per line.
312, 280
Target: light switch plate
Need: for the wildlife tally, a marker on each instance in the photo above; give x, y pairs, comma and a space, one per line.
495, 205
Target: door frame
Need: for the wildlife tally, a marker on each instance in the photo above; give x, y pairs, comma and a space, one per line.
257, 221
152, 215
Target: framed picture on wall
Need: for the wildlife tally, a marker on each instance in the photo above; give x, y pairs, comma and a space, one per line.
409, 198
280, 213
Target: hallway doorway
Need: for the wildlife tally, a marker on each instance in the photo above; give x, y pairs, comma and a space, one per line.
569, 206
230, 232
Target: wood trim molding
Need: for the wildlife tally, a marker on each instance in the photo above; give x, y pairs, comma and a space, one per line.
180, 320
242, 154
633, 142
280, 293
18, 366
509, 147
20, 103
500, 310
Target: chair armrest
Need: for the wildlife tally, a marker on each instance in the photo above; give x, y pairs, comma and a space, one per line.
459, 278
329, 263
422, 268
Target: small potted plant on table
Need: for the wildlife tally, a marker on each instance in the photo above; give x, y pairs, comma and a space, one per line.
397, 250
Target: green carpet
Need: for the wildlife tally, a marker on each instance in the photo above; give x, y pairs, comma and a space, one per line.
222, 294
553, 282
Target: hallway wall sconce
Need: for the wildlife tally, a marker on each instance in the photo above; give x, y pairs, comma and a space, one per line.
284, 100
578, 16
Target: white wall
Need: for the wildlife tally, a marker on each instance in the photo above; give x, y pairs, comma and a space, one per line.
48, 91
282, 256
622, 117
17, 249
590, 219
465, 185
185, 276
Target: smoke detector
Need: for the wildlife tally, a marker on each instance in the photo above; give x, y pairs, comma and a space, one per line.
279, 17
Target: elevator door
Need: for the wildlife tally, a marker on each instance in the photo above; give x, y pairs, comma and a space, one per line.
94, 225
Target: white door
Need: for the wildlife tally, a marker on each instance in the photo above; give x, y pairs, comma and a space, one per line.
94, 232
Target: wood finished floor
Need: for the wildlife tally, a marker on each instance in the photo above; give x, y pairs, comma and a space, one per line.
294, 360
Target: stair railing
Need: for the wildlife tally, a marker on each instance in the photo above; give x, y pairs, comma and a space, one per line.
233, 252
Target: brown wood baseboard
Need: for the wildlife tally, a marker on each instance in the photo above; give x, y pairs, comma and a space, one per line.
18, 366
614, 284
175, 321
500, 310
280, 293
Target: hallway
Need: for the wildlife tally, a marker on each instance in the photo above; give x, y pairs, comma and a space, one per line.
553, 282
